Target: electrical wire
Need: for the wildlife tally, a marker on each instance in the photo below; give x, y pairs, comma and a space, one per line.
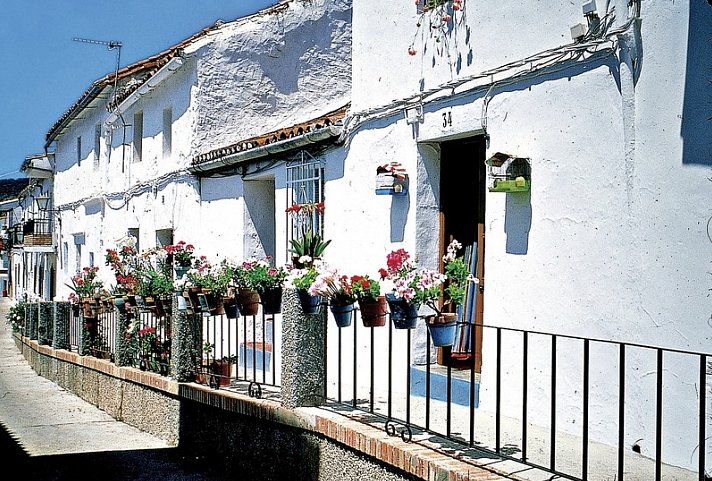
605, 42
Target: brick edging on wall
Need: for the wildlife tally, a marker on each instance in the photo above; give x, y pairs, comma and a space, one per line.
419, 458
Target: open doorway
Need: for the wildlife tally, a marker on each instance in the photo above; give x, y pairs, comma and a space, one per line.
463, 180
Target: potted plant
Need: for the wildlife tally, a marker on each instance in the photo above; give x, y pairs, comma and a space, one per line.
458, 277
182, 257
308, 245
266, 279
217, 371
410, 288
210, 281
302, 279
86, 287
371, 303
416, 287
337, 290
124, 262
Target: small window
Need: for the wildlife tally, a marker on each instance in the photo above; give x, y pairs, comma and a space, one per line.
65, 255
91, 259
164, 237
167, 132
137, 136
79, 151
97, 145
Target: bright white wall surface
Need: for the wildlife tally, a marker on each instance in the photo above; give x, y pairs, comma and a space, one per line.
272, 71
612, 240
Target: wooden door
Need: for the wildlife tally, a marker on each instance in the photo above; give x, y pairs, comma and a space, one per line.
462, 217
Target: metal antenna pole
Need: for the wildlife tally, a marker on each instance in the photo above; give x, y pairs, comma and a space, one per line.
113, 45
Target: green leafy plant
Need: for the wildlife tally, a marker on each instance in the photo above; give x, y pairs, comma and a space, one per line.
260, 275
304, 278
365, 288
218, 278
16, 315
458, 275
309, 245
85, 282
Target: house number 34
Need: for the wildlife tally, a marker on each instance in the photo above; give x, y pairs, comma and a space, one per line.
447, 119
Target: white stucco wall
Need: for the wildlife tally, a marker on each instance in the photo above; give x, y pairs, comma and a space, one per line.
611, 242
274, 70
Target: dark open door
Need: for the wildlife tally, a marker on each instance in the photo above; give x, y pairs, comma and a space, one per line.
462, 216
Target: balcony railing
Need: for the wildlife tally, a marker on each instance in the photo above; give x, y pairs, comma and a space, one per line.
37, 232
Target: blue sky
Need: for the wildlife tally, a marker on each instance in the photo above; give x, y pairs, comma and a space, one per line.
43, 71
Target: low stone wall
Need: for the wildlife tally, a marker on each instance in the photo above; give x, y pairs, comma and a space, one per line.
251, 438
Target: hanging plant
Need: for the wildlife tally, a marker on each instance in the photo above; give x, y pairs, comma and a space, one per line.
438, 16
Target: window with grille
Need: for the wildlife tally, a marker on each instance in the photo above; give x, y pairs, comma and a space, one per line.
305, 185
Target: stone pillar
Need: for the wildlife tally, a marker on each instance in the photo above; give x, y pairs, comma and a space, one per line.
31, 315
90, 334
303, 351
60, 315
124, 343
45, 328
185, 341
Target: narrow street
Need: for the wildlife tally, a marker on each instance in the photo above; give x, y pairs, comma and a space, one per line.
49, 434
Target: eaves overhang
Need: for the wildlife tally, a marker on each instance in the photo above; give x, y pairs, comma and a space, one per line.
228, 160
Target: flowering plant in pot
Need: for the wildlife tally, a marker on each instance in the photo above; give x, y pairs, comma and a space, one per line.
458, 275
182, 256
302, 279
412, 287
308, 244
337, 290
266, 279
371, 303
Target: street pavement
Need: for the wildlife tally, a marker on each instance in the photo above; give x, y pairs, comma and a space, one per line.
48, 433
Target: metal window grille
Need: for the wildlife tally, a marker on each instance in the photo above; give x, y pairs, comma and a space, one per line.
305, 184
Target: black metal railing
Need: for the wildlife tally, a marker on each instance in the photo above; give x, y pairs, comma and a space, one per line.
443, 398
240, 348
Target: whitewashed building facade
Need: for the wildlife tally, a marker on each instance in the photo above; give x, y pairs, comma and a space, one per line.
605, 107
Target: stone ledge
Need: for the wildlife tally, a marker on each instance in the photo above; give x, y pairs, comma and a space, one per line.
104, 366
419, 457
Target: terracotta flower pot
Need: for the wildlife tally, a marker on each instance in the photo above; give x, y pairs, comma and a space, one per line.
249, 302
373, 312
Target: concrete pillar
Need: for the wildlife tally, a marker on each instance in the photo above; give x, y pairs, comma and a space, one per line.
31, 315
185, 341
45, 327
60, 315
124, 343
90, 334
303, 351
